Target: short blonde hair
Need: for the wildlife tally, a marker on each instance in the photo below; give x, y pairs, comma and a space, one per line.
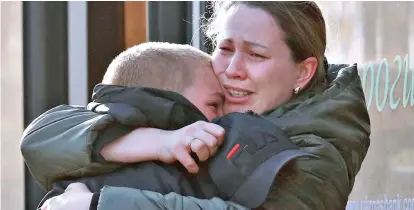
158, 65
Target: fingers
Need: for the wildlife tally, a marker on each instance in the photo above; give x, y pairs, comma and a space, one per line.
207, 137
201, 149
211, 135
213, 129
51, 202
206, 143
78, 187
47, 204
184, 157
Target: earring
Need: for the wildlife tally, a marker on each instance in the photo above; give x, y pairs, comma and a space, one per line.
297, 89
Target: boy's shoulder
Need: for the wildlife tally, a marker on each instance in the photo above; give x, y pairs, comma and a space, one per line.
142, 106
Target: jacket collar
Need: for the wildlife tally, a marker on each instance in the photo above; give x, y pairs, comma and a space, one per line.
130, 105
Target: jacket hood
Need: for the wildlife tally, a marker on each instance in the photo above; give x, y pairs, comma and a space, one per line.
336, 112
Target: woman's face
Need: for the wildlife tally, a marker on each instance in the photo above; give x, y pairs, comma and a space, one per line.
253, 62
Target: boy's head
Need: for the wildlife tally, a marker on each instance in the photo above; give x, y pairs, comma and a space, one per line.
174, 67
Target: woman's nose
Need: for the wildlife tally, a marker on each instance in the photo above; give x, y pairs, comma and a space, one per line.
237, 68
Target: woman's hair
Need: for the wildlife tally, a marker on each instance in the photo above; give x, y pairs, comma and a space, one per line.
301, 21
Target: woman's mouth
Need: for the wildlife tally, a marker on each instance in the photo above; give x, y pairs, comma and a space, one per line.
237, 95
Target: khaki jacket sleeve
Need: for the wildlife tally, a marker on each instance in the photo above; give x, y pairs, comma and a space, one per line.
321, 183
134, 199
60, 144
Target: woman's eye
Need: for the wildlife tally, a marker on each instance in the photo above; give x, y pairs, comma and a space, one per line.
255, 55
224, 49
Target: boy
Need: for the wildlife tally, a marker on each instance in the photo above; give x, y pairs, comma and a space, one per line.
140, 70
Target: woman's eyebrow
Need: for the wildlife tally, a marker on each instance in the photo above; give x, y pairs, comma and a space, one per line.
255, 44
247, 42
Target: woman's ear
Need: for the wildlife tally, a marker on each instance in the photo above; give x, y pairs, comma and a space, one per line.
307, 70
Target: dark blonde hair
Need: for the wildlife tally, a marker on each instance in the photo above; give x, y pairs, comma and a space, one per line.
158, 65
302, 23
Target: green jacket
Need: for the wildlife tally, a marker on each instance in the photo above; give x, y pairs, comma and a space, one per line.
330, 121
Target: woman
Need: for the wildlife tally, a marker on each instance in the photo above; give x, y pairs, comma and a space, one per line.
270, 59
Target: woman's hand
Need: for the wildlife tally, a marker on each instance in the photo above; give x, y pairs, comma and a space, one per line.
202, 138
76, 196
146, 144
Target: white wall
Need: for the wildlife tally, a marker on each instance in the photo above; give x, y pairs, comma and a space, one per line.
11, 74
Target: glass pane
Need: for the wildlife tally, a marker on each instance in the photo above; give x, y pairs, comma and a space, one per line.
379, 36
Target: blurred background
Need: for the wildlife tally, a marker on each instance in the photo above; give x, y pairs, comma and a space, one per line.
54, 53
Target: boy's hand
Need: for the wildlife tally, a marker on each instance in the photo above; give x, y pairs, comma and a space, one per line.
76, 196
202, 138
